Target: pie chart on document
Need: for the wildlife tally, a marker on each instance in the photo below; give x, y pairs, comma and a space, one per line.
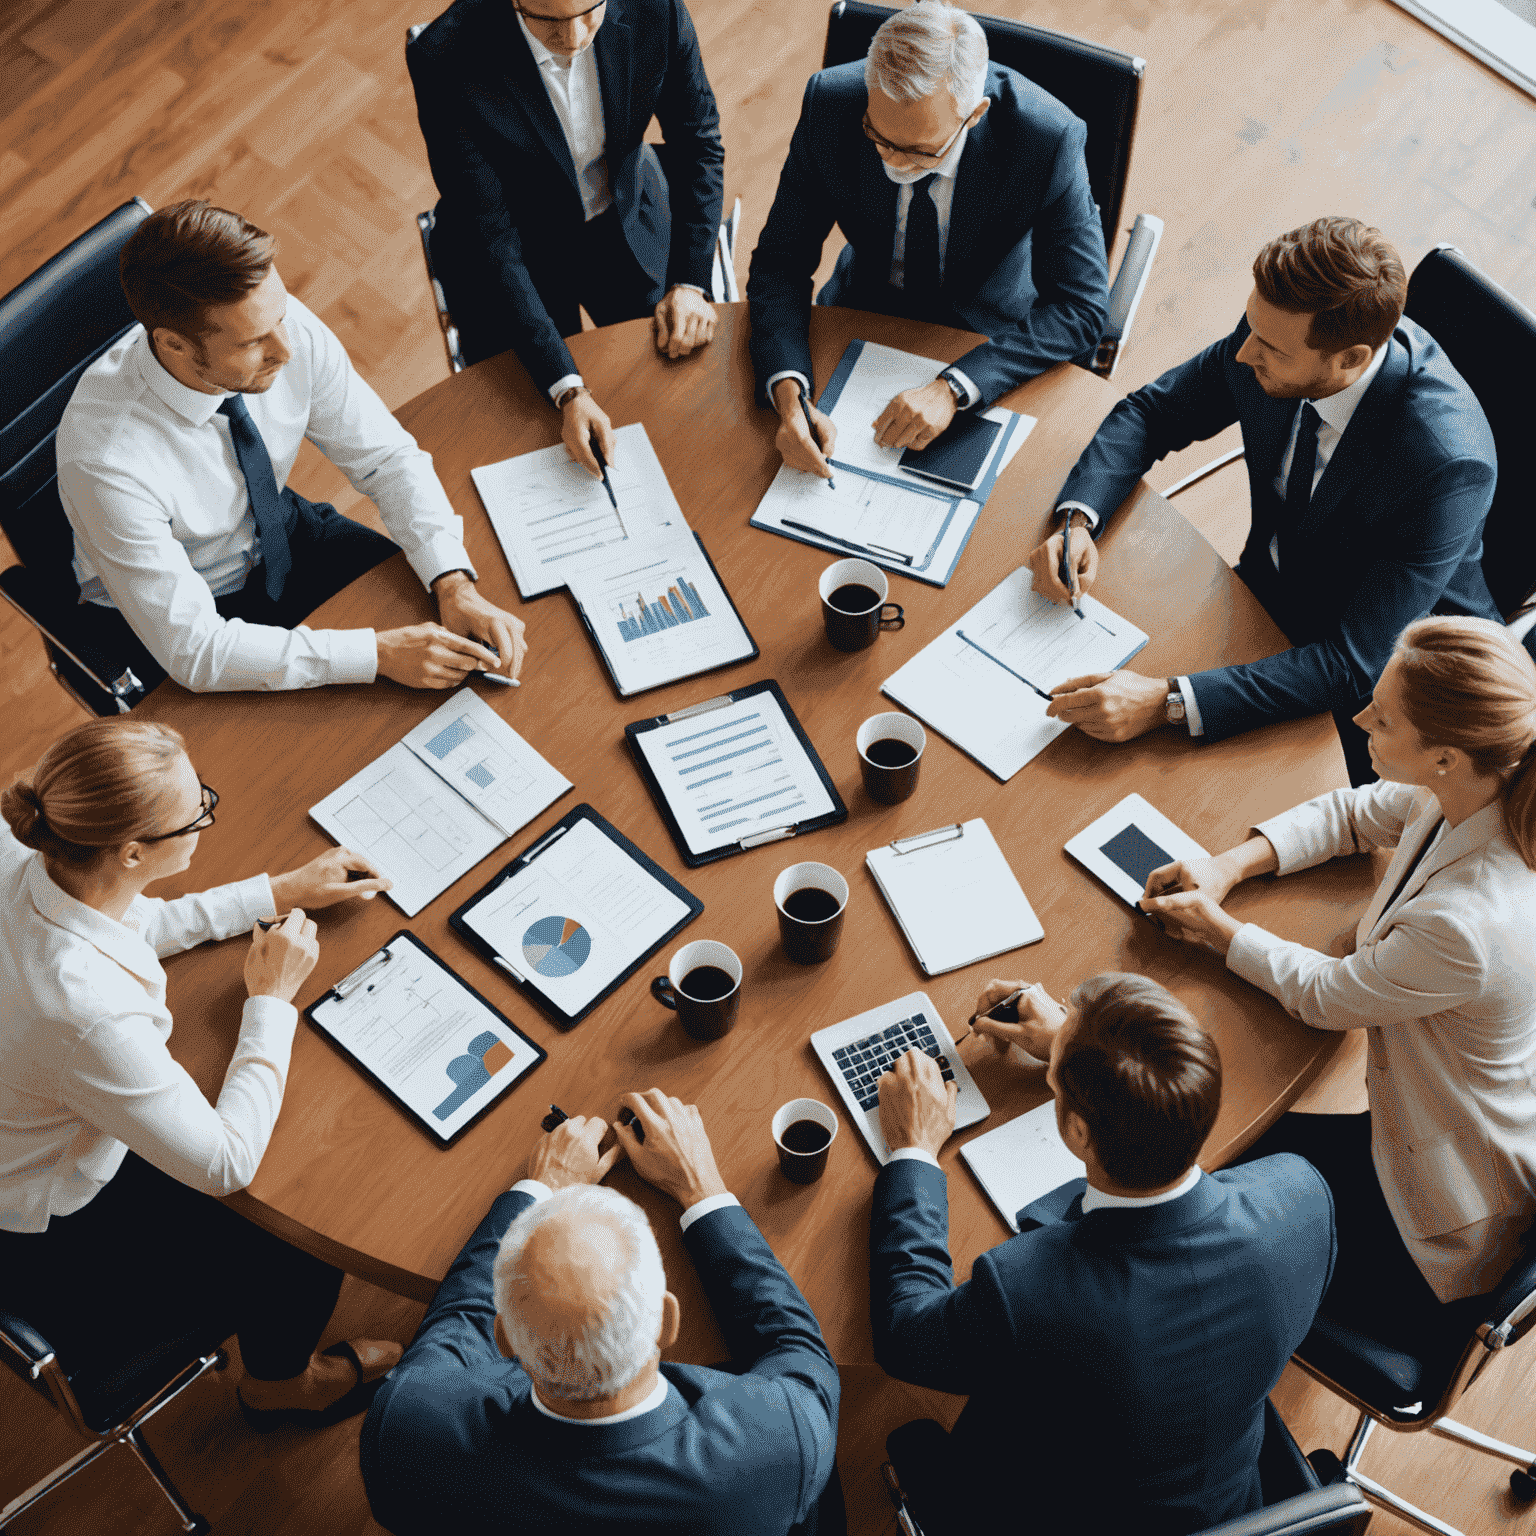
556, 946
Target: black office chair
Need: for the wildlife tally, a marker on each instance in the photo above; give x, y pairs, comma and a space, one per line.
1296, 1502
722, 284
52, 328
1412, 1392
1101, 86
107, 1402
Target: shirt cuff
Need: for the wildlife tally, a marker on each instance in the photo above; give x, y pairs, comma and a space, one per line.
535, 1187
1070, 507
354, 656
914, 1155
266, 1028
692, 288
1248, 956
972, 394
788, 373
704, 1207
440, 554
1191, 707
559, 387
253, 899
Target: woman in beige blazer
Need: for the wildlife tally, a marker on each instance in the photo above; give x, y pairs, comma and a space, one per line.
1435, 1186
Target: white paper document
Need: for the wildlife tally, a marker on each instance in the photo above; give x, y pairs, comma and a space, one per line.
1022, 1160
550, 514
427, 1037
734, 772
955, 897
983, 683
657, 610
435, 804
576, 917
879, 374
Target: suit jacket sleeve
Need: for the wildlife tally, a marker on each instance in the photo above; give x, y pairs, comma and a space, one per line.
1186, 405
1422, 549
1340, 823
464, 174
928, 1330
785, 261
695, 157
1071, 278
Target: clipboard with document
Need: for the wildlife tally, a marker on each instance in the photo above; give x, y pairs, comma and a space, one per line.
426, 1037
731, 773
575, 915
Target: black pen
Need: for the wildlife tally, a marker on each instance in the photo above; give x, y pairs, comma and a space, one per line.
602, 464
997, 1010
862, 549
556, 1116
1066, 565
810, 426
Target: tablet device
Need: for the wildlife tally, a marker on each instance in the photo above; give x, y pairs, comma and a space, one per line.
958, 455
1127, 843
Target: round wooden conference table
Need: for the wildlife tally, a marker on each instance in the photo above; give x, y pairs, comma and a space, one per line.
350, 1176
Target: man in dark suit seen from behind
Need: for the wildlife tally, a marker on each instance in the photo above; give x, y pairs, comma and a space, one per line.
963, 194
1371, 470
533, 1397
1118, 1352
534, 118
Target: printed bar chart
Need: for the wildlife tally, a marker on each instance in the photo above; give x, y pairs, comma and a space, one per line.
680, 604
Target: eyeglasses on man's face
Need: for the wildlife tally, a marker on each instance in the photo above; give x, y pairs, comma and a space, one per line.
204, 819
922, 156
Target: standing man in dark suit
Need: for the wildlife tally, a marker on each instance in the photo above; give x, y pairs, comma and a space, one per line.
963, 193
533, 1397
550, 198
1371, 470
1124, 1343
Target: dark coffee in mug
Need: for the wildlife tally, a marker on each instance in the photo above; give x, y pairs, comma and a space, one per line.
806, 1136
854, 598
811, 905
891, 753
707, 983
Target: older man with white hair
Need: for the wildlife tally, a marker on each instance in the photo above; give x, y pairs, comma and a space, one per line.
963, 194
534, 1398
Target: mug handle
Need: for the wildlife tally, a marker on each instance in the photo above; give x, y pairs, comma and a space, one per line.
662, 991
893, 620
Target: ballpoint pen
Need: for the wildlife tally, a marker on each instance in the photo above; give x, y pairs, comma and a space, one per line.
862, 549
602, 464
810, 426
1066, 566
556, 1116
960, 634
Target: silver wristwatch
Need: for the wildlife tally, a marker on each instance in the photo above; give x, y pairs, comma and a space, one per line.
1173, 705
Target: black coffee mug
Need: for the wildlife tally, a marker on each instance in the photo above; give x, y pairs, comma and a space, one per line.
811, 900
703, 987
890, 755
803, 1133
853, 604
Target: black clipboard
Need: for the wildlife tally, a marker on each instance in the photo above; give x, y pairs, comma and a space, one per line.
634, 731
360, 977
514, 967
735, 661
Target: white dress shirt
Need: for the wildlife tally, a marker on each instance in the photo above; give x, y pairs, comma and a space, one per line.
574, 93
85, 1074
653, 1399
163, 524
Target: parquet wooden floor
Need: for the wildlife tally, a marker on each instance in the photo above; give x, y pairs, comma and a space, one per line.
1258, 114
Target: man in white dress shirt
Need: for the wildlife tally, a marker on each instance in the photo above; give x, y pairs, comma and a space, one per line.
172, 456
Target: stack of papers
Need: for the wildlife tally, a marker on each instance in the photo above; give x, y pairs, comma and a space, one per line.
1022, 1160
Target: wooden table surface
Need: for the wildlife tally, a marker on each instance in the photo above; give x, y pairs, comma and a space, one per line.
350, 1176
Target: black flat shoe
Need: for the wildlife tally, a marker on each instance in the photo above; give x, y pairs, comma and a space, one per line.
356, 1400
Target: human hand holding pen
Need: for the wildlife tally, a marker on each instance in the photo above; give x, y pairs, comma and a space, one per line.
806, 437
1039, 1017
583, 419
1065, 574
569, 1153
1045, 561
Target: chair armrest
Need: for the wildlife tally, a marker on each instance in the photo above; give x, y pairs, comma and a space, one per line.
26, 1342
56, 616
1126, 291
1339, 1507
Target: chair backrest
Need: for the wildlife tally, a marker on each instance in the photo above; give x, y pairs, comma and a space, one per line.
1490, 338
1100, 85
53, 326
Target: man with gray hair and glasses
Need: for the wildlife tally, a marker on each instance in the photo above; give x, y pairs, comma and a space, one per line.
533, 1397
963, 194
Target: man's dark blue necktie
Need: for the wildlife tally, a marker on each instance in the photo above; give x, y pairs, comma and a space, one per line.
267, 504
1298, 484
920, 257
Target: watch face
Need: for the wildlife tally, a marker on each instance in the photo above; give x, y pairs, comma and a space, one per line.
1175, 707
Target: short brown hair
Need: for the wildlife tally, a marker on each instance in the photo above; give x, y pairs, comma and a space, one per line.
1343, 274
1144, 1077
1469, 684
98, 786
189, 258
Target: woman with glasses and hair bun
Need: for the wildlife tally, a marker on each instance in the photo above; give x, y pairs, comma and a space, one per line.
113, 1239
1435, 1186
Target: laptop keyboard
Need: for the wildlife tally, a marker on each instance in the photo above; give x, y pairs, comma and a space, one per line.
862, 1061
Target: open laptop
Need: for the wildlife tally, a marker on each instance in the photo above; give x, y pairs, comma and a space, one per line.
859, 1049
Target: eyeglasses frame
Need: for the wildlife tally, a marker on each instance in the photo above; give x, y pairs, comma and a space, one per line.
204, 818
931, 156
